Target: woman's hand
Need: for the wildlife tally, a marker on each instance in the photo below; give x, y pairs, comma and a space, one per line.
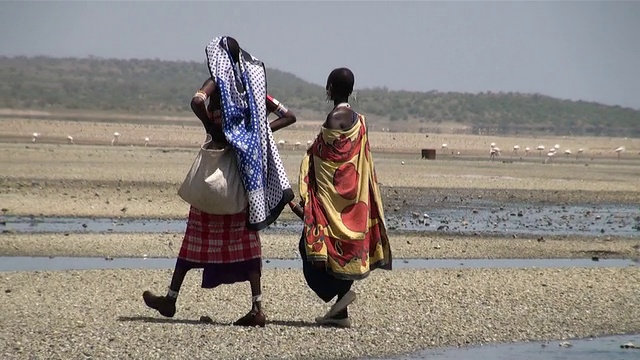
297, 209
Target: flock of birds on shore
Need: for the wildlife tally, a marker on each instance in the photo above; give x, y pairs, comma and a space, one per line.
495, 151
114, 140
116, 136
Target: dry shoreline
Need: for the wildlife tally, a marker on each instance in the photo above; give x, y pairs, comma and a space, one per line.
100, 314
276, 246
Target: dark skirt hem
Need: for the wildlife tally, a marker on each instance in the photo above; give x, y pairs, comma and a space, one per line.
382, 264
215, 274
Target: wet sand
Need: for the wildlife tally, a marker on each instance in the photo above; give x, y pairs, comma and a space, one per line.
75, 314
70, 180
284, 246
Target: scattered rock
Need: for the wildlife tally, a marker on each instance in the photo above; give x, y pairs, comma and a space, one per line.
629, 345
565, 344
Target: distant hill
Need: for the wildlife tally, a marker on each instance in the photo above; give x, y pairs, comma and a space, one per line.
154, 86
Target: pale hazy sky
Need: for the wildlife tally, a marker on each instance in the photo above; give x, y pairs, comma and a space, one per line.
573, 50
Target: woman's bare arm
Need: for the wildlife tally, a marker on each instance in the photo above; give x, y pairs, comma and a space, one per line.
285, 116
198, 102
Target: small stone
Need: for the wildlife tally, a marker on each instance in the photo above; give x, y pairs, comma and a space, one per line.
565, 344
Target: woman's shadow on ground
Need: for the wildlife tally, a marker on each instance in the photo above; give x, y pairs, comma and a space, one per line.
208, 321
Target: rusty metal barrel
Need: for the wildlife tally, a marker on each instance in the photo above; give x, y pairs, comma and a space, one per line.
429, 154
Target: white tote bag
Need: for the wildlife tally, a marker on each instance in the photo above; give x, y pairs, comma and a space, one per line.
213, 184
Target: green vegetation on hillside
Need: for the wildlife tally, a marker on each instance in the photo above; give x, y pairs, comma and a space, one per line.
154, 86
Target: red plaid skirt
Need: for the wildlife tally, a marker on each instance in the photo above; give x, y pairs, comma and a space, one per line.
219, 239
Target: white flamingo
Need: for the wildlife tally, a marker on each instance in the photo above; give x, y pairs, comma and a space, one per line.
492, 145
526, 151
146, 141
70, 139
493, 153
540, 149
116, 135
550, 156
515, 149
444, 147
296, 145
556, 146
35, 137
619, 150
309, 142
281, 144
567, 152
580, 151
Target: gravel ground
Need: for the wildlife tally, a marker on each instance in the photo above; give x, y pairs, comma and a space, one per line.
285, 246
100, 314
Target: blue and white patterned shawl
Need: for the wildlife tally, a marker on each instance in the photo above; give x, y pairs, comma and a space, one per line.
246, 128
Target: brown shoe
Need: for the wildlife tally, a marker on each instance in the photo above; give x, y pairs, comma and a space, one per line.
163, 304
253, 318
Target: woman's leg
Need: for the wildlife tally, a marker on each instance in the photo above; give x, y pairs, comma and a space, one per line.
166, 305
256, 316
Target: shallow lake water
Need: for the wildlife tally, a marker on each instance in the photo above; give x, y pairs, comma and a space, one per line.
44, 263
523, 219
602, 348
475, 218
